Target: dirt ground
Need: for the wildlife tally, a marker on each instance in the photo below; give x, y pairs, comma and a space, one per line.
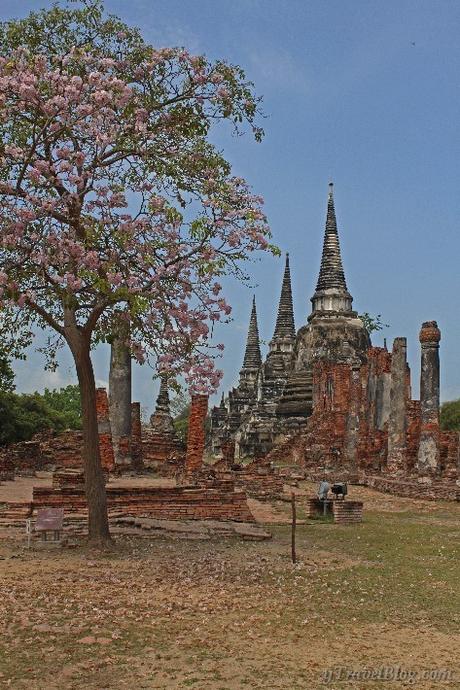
381, 597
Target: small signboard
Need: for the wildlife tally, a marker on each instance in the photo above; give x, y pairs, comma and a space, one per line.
49, 519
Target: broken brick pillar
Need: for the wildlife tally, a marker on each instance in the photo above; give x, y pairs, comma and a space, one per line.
350, 446
397, 423
228, 452
136, 436
428, 457
104, 430
196, 433
120, 396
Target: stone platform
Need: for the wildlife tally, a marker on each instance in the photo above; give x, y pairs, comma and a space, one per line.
134, 497
217, 501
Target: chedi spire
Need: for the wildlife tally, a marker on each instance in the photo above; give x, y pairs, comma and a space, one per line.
252, 356
331, 289
285, 326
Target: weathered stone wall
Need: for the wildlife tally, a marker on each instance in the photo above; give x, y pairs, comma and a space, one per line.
216, 500
44, 451
409, 487
159, 448
366, 422
259, 480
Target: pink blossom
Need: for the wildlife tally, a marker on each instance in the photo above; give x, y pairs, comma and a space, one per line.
87, 242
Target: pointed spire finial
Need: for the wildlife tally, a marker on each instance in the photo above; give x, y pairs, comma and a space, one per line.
285, 325
331, 273
252, 356
331, 289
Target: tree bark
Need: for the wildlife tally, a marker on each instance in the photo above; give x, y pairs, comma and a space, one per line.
98, 523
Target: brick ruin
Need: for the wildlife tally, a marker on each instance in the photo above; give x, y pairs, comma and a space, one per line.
199, 494
328, 401
324, 401
216, 500
160, 443
148, 447
196, 433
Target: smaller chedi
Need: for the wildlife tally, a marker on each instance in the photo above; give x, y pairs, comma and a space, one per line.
160, 441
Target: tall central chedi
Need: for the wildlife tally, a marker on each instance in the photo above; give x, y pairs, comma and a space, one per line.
275, 397
333, 332
331, 290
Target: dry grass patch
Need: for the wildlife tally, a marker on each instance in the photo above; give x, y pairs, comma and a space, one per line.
226, 614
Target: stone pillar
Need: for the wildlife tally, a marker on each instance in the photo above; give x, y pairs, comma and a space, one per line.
120, 397
428, 458
104, 430
350, 446
196, 433
397, 423
458, 459
228, 452
382, 400
136, 436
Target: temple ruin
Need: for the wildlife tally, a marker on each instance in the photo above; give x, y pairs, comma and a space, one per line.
323, 403
328, 401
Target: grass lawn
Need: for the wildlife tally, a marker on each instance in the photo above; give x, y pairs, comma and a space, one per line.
227, 614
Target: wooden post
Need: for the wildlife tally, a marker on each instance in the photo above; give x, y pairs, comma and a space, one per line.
294, 523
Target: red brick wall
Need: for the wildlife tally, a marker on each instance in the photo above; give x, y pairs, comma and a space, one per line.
216, 500
136, 435
105, 435
347, 512
196, 433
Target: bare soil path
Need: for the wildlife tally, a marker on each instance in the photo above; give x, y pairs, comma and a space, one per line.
223, 614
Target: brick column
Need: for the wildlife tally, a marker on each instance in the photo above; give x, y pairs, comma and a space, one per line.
120, 396
104, 430
196, 433
428, 458
458, 459
228, 452
350, 446
397, 423
136, 436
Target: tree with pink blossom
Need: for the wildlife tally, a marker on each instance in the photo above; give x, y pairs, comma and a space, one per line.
115, 205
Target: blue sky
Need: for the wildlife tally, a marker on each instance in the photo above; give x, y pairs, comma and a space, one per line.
360, 91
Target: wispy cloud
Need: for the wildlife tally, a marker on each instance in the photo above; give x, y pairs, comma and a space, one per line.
277, 71
31, 377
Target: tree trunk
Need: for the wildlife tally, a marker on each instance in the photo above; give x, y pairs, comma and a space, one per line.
98, 523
